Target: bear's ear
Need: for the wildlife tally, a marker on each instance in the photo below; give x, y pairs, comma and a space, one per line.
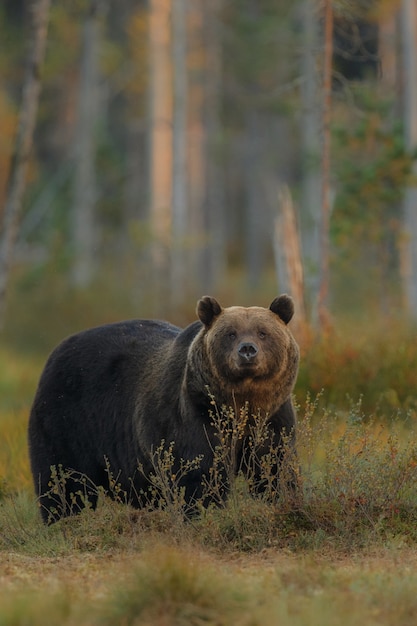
283, 307
207, 309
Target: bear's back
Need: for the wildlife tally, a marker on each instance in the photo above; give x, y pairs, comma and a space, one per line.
130, 337
121, 355
97, 359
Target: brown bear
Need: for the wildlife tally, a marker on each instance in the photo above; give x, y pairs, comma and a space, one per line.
110, 396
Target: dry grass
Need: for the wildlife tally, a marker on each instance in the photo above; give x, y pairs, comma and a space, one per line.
345, 554
188, 585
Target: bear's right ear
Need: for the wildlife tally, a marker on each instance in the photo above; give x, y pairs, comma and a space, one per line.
283, 307
207, 309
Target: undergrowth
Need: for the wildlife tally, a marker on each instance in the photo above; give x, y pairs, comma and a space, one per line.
375, 361
356, 486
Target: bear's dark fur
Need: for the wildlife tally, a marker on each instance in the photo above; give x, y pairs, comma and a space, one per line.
108, 396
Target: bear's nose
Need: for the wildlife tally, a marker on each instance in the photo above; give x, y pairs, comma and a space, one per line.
247, 351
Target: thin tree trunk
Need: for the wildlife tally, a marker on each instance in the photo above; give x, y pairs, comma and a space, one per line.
85, 189
409, 251
179, 181
387, 48
254, 218
311, 183
214, 256
326, 201
26, 126
197, 145
160, 174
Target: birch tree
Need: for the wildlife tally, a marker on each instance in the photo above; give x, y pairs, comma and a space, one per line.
27, 119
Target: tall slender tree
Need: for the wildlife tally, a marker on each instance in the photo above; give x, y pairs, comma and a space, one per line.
23, 144
197, 139
214, 254
325, 164
85, 190
310, 128
160, 144
179, 157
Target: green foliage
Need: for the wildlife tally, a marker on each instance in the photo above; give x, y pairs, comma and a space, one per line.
372, 168
259, 54
373, 171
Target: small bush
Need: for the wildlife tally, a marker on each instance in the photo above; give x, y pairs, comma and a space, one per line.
363, 481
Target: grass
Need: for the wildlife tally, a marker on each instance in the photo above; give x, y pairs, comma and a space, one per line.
181, 586
18, 380
343, 554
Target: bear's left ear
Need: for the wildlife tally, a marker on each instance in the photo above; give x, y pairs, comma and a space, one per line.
283, 307
207, 309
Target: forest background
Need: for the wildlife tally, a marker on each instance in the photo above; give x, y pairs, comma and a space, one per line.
183, 148
241, 148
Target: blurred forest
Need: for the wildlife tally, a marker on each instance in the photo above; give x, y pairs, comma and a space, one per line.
178, 151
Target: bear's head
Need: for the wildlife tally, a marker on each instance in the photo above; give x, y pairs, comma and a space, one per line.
249, 353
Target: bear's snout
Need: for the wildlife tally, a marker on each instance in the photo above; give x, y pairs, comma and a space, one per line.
247, 352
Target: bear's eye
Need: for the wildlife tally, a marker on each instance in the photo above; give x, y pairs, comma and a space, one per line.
232, 335
261, 334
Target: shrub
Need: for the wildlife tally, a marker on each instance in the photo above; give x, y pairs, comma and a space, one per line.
360, 477
358, 484
354, 360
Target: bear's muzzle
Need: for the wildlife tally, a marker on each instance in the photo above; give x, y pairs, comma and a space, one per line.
247, 353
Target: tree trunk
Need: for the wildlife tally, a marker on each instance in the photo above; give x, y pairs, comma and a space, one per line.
85, 190
26, 125
288, 258
310, 128
197, 145
387, 49
179, 177
409, 251
214, 253
254, 219
325, 167
160, 158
